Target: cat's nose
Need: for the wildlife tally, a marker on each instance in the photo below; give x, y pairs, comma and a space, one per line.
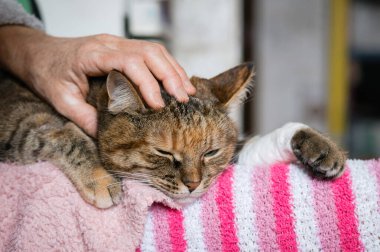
192, 185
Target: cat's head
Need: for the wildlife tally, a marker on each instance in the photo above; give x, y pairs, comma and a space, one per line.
179, 149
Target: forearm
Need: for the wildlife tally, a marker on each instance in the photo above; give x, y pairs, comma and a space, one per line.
17, 46
18, 30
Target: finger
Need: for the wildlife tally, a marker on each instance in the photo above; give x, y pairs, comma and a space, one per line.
140, 75
162, 69
78, 111
134, 67
190, 89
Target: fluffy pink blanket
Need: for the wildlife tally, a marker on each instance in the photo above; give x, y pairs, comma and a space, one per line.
42, 211
272, 208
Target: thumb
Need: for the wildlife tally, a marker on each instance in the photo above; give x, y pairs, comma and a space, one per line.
81, 113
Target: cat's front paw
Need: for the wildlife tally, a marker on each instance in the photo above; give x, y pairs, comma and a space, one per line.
318, 153
102, 189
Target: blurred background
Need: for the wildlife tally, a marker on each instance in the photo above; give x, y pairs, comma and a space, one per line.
317, 61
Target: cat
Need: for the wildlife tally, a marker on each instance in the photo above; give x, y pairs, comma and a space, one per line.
178, 150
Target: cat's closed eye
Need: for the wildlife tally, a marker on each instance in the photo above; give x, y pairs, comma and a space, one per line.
165, 153
176, 162
211, 153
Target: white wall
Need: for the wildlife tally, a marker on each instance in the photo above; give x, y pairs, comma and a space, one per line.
365, 23
206, 37
292, 55
83, 17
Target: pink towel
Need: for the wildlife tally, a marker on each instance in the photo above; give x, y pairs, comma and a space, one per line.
249, 208
42, 211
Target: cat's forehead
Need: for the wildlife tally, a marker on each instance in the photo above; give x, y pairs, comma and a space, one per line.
182, 136
185, 127
191, 111
196, 106
187, 119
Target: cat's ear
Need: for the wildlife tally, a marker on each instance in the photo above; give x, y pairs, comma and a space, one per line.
230, 87
122, 94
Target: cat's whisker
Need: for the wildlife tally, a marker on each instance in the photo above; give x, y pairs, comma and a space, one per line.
126, 175
131, 175
136, 175
121, 182
135, 178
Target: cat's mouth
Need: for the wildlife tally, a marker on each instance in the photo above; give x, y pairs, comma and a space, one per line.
183, 196
185, 201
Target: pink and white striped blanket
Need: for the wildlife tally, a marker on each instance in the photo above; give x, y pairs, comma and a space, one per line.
273, 208
277, 208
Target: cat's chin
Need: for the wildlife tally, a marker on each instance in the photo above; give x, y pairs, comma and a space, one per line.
188, 200
183, 202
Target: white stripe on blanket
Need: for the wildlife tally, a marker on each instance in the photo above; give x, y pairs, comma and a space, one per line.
303, 209
364, 187
194, 227
148, 243
242, 186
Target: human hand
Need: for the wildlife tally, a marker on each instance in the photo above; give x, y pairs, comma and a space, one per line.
57, 68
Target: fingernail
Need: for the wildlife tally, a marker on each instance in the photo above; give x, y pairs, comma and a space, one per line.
182, 95
155, 101
190, 88
160, 103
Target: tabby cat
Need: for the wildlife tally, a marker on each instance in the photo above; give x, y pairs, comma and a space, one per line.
179, 149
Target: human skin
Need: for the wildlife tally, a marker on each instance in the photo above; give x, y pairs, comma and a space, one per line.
58, 68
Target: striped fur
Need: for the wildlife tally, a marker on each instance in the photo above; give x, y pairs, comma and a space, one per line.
179, 149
